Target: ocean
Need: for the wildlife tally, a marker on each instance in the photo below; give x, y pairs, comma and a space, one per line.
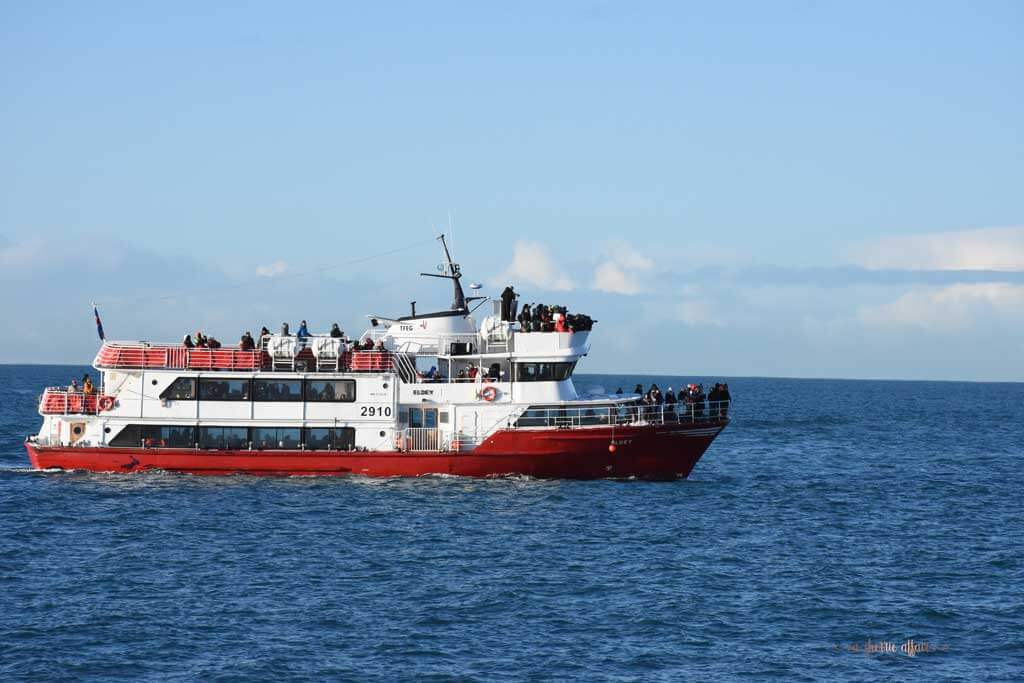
837, 530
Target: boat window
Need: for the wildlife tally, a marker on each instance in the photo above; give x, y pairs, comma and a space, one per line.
131, 435
331, 390
181, 389
169, 436
223, 437
544, 372
277, 389
211, 389
275, 438
155, 436
330, 438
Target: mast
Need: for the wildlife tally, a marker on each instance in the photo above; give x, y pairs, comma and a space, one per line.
453, 273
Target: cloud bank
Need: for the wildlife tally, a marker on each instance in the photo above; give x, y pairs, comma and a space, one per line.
999, 249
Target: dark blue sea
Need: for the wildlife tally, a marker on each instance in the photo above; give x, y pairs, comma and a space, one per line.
831, 517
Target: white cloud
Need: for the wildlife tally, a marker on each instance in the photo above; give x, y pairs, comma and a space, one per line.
983, 249
272, 269
532, 264
623, 272
953, 307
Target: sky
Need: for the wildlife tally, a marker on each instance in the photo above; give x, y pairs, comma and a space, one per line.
802, 189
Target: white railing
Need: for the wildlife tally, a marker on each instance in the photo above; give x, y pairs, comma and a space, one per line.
420, 439
622, 414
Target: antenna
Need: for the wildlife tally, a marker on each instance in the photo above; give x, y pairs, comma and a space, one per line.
453, 274
451, 228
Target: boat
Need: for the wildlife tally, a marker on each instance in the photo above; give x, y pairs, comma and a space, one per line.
430, 393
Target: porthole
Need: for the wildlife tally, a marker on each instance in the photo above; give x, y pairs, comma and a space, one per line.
382, 432
385, 385
154, 383
77, 430
106, 430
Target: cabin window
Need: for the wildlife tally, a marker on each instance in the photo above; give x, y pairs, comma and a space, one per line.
232, 438
275, 438
544, 372
211, 389
131, 435
423, 418
277, 389
330, 438
156, 436
181, 389
331, 390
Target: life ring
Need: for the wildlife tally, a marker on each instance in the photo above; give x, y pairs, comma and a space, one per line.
106, 402
489, 394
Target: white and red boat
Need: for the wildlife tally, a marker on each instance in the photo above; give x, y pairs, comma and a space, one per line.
499, 401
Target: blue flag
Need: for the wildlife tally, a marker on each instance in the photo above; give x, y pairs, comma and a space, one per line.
99, 325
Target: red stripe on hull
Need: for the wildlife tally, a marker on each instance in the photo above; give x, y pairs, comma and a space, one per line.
656, 452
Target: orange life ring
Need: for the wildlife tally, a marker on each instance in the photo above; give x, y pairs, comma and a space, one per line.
106, 402
489, 394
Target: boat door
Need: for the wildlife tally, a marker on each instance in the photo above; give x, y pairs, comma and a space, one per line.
423, 428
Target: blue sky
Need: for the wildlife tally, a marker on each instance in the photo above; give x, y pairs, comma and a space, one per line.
803, 189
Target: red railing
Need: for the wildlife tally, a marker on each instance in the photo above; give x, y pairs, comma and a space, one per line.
120, 355
59, 401
141, 355
370, 361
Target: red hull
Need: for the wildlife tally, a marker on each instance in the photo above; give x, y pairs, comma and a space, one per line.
659, 452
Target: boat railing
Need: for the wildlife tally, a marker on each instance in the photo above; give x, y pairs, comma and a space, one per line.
61, 401
141, 355
622, 413
314, 353
420, 439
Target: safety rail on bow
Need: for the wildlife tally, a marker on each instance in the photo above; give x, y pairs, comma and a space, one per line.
622, 413
60, 401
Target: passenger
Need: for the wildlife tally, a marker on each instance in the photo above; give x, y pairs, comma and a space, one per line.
726, 398
700, 400
262, 341
379, 346
246, 343
507, 297
670, 404
200, 340
560, 323
336, 332
431, 373
639, 390
460, 376
284, 330
618, 392
87, 388
303, 332
473, 371
212, 343
73, 387
187, 342
524, 318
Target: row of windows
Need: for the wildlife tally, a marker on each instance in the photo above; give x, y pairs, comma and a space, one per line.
217, 389
237, 438
544, 372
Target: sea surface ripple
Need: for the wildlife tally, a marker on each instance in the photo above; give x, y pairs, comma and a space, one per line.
830, 514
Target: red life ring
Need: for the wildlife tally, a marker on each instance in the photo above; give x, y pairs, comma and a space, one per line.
489, 394
106, 402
